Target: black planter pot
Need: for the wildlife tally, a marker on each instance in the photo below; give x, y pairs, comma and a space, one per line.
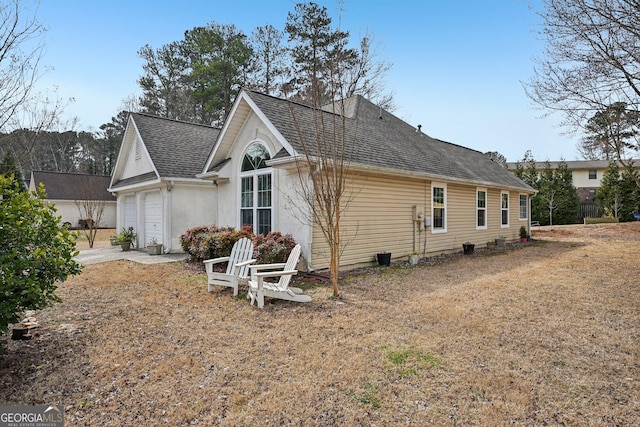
384, 258
468, 248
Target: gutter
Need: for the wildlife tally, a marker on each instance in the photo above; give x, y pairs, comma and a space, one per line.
167, 248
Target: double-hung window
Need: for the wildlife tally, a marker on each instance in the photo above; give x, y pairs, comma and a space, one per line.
439, 208
524, 205
481, 209
504, 209
256, 181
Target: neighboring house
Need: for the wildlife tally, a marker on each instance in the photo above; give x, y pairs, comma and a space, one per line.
67, 191
155, 179
586, 174
397, 172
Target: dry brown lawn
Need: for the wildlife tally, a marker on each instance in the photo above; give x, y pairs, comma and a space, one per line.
546, 334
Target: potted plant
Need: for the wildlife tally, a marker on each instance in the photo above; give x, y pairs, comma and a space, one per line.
125, 238
384, 258
414, 257
467, 248
113, 240
523, 234
491, 244
154, 248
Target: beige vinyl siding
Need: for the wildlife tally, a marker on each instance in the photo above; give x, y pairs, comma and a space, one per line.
380, 219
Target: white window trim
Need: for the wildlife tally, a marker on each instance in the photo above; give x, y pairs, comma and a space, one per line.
527, 206
502, 209
254, 174
446, 210
486, 208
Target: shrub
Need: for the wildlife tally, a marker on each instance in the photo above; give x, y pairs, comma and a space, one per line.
273, 248
206, 242
36, 252
210, 241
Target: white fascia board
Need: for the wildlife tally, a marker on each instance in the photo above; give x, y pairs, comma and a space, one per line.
269, 125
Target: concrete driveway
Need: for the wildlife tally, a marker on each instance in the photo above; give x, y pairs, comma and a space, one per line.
115, 253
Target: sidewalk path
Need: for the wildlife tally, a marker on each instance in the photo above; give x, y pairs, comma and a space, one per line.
114, 253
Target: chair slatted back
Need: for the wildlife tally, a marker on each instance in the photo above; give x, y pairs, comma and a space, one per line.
291, 264
242, 251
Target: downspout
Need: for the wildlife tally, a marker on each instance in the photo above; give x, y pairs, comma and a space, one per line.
167, 246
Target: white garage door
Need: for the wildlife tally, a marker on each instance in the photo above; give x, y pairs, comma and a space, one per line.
153, 217
129, 216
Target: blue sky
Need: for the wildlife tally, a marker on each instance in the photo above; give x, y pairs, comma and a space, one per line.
457, 64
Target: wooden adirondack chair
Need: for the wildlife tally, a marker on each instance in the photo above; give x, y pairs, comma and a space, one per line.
237, 267
259, 288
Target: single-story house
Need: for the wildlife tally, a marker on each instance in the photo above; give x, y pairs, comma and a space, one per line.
400, 180
69, 191
397, 173
155, 179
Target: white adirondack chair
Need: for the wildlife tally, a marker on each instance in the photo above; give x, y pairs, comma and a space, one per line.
259, 288
237, 267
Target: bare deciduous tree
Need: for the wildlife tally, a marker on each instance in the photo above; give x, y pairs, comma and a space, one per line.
326, 179
21, 48
591, 60
91, 209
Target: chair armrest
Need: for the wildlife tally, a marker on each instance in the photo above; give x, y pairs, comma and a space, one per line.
216, 260
277, 273
266, 266
208, 263
261, 276
243, 263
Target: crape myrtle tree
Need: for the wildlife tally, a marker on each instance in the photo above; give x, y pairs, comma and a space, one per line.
326, 180
37, 253
590, 69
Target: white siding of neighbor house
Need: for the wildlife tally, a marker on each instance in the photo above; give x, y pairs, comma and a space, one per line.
581, 178
68, 212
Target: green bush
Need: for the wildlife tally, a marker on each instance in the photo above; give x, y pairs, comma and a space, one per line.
36, 252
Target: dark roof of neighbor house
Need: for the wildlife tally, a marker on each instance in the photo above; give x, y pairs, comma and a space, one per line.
177, 149
73, 186
379, 139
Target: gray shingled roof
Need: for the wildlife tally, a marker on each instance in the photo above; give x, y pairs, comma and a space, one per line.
384, 141
73, 186
177, 149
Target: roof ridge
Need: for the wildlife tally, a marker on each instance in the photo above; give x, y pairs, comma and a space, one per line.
152, 116
69, 173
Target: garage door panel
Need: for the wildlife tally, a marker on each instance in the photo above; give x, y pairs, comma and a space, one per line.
153, 217
129, 217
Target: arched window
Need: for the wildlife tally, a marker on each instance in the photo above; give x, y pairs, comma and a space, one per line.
256, 189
